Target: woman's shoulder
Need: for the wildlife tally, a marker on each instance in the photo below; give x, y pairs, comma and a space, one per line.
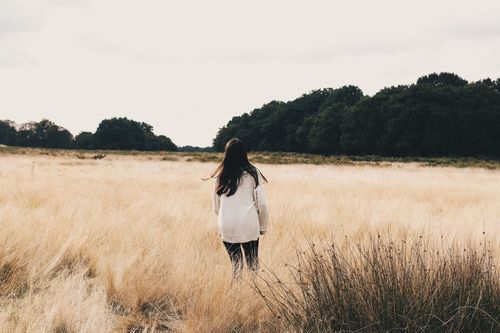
251, 177
246, 174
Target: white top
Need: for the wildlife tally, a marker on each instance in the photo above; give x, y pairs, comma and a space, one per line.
242, 217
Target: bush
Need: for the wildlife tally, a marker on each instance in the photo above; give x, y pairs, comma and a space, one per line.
382, 285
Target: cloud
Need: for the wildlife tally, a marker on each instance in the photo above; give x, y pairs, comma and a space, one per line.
17, 60
463, 29
428, 39
68, 3
19, 17
100, 45
19, 20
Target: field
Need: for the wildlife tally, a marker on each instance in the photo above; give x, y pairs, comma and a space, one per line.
128, 243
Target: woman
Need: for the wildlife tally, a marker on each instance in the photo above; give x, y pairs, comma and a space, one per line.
240, 202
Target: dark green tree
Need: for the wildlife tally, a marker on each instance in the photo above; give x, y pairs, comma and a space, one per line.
127, 134
160, 142
324, 134
7, 132
120, 133
58, 137
44, 134
84, 140
26, 135
442, 79
440, 115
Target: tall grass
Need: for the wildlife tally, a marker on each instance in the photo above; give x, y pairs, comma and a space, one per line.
384, 284
129, 243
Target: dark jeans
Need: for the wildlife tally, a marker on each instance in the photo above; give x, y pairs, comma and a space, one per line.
236, 251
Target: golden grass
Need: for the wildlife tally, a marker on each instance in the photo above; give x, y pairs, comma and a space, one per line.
129, 244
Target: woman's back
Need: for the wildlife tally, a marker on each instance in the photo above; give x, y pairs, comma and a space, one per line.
238, 214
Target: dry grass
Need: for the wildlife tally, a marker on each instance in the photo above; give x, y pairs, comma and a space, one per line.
129, 244
261, 157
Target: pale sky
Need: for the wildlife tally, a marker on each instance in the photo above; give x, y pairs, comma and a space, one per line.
188, 67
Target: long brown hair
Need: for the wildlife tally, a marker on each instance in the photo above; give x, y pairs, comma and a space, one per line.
230, 170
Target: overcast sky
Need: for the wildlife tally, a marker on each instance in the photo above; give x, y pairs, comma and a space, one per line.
187, 67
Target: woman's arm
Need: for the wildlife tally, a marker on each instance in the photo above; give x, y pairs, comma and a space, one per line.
215, 198
262, 205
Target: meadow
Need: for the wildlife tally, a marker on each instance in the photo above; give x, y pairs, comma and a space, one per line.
128, 242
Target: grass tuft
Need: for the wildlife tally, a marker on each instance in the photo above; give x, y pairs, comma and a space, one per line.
381, 284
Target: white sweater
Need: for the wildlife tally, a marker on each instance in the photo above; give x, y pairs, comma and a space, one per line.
242, 217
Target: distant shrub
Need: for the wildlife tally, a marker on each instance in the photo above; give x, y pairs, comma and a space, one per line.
381, 285
98, 156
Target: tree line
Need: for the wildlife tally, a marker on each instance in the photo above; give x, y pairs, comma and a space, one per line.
440, 115
113, 134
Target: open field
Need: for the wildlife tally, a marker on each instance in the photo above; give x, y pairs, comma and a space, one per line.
128, 243
263, 157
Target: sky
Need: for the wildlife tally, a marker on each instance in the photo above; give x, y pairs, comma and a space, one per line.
187, 67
